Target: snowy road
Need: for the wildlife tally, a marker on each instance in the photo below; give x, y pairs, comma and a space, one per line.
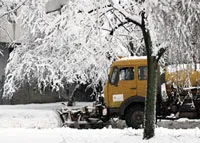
38, 123
31, 115
67, 135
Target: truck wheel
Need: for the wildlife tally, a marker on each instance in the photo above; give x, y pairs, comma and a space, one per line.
134, 117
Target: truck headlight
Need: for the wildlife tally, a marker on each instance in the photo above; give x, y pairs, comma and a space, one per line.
104, 112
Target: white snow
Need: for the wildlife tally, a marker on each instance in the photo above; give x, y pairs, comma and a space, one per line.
30, 116
66, 135
38, 123
134, 58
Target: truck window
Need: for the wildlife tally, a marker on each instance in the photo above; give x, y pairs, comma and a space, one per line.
115, 76
126, 73
142, 73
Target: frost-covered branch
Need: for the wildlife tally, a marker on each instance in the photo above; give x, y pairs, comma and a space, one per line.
98, 8
131, 18
119, 25
12, 10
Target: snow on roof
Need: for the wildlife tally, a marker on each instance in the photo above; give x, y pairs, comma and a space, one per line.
134, 58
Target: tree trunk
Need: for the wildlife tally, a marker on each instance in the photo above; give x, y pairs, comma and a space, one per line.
150, 102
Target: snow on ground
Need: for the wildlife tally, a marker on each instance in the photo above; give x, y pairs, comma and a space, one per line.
28, 118
31, 115
38, 123
67, 135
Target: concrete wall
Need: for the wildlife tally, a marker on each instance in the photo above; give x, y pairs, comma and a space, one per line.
30, 94
9, 31
3, 61
3, 58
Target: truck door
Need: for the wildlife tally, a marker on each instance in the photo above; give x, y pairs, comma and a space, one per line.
142, 80
124, 87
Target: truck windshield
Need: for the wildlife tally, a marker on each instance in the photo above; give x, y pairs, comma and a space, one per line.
127, 73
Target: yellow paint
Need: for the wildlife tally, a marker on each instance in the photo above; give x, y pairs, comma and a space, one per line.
185, 77
126, 87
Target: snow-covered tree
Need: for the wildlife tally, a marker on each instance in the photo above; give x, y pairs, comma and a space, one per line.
80, 42
62, 48
179, 21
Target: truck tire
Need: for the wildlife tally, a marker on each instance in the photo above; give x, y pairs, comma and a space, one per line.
134, 117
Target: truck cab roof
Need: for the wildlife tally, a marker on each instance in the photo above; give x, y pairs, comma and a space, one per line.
130, 61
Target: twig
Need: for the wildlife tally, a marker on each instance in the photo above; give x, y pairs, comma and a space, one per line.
128, 17
6, 13
119, 25
120, 21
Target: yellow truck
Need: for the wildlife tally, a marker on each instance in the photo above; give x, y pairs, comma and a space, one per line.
125, 91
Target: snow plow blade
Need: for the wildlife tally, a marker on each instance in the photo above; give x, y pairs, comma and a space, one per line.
81, 118
91, 123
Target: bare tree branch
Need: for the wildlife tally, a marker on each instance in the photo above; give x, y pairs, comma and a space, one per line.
160, 53
119, 25
120, 21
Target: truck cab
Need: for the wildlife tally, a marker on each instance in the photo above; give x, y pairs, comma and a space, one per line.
125, 90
